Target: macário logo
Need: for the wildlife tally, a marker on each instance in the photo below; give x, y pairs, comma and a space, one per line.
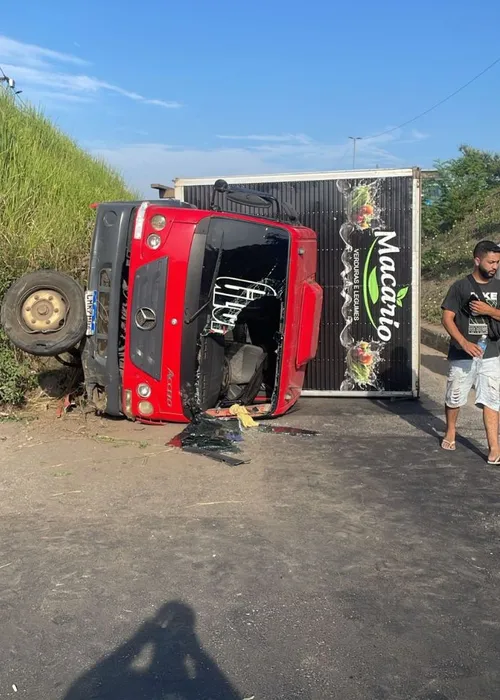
380, 294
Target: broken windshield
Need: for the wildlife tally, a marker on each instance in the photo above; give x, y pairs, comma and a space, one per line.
234, 311
252, 266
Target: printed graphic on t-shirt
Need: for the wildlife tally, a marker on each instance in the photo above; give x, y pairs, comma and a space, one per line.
478, 324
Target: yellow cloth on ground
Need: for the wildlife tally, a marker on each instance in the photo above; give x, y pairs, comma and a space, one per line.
243, 416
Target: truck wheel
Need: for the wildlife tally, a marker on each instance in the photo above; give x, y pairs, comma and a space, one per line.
43, 313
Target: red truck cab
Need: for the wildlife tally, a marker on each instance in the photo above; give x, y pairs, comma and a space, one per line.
186, 311
214, 308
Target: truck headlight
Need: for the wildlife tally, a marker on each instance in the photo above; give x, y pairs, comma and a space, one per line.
153, 241
146, 408
158, 222
128, 403
144, 390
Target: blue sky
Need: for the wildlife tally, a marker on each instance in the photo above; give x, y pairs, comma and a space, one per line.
164, 90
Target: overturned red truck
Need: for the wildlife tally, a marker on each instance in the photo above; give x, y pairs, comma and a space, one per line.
186, 310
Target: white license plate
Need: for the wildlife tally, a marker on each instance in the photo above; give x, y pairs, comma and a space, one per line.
91, 311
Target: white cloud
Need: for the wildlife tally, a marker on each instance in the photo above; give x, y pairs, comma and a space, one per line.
31, 55
58, 101
34, 66
159, 103
142, 164
45, 96
270, 138
417, 135
396, 135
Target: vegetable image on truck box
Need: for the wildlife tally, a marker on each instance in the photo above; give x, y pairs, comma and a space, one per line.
369, 286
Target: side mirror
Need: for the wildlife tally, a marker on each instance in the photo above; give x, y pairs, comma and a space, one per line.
164, 191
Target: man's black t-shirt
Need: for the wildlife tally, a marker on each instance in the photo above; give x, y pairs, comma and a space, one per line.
471, 327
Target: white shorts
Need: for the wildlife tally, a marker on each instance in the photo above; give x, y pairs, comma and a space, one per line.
483, 375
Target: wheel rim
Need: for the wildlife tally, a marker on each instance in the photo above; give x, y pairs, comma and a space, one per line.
44, 310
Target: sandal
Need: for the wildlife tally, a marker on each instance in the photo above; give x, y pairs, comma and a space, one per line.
451, 446
495, 462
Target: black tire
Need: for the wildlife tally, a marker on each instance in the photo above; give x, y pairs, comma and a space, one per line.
55, 342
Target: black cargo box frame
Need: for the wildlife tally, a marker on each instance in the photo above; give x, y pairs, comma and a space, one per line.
320, 201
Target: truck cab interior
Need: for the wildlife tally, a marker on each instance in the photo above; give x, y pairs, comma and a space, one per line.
242, 296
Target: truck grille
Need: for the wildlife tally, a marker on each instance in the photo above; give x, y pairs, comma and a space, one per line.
103, 292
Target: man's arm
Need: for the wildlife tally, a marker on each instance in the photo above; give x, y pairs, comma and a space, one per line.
448, 321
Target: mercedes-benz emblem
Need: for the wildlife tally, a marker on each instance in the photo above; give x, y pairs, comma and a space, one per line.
145, 319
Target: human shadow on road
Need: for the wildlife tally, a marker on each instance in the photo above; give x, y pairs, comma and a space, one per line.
164, 659
420, 416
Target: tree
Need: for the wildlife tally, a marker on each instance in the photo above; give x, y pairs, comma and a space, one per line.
459, 188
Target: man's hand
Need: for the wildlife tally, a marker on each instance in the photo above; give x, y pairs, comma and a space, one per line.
480, 308
471, 348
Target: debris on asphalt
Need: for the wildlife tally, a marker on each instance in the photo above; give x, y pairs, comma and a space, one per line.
213, 437
65, 405
209, 434
213, 503
284, 430
217, 456
244, 418
120, 442
64, 493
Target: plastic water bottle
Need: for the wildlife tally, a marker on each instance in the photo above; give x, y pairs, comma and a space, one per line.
483, 342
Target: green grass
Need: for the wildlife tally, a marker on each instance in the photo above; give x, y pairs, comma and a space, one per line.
449, 256
46, 186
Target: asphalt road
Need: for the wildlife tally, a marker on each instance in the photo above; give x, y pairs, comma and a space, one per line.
362, 564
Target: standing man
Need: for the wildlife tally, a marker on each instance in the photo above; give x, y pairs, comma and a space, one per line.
470, 306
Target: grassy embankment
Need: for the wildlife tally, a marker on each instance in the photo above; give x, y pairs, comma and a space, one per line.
46, 185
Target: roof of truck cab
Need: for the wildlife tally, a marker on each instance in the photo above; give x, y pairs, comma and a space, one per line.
195, 215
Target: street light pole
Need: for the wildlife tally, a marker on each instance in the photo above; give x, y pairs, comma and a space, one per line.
354, 139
